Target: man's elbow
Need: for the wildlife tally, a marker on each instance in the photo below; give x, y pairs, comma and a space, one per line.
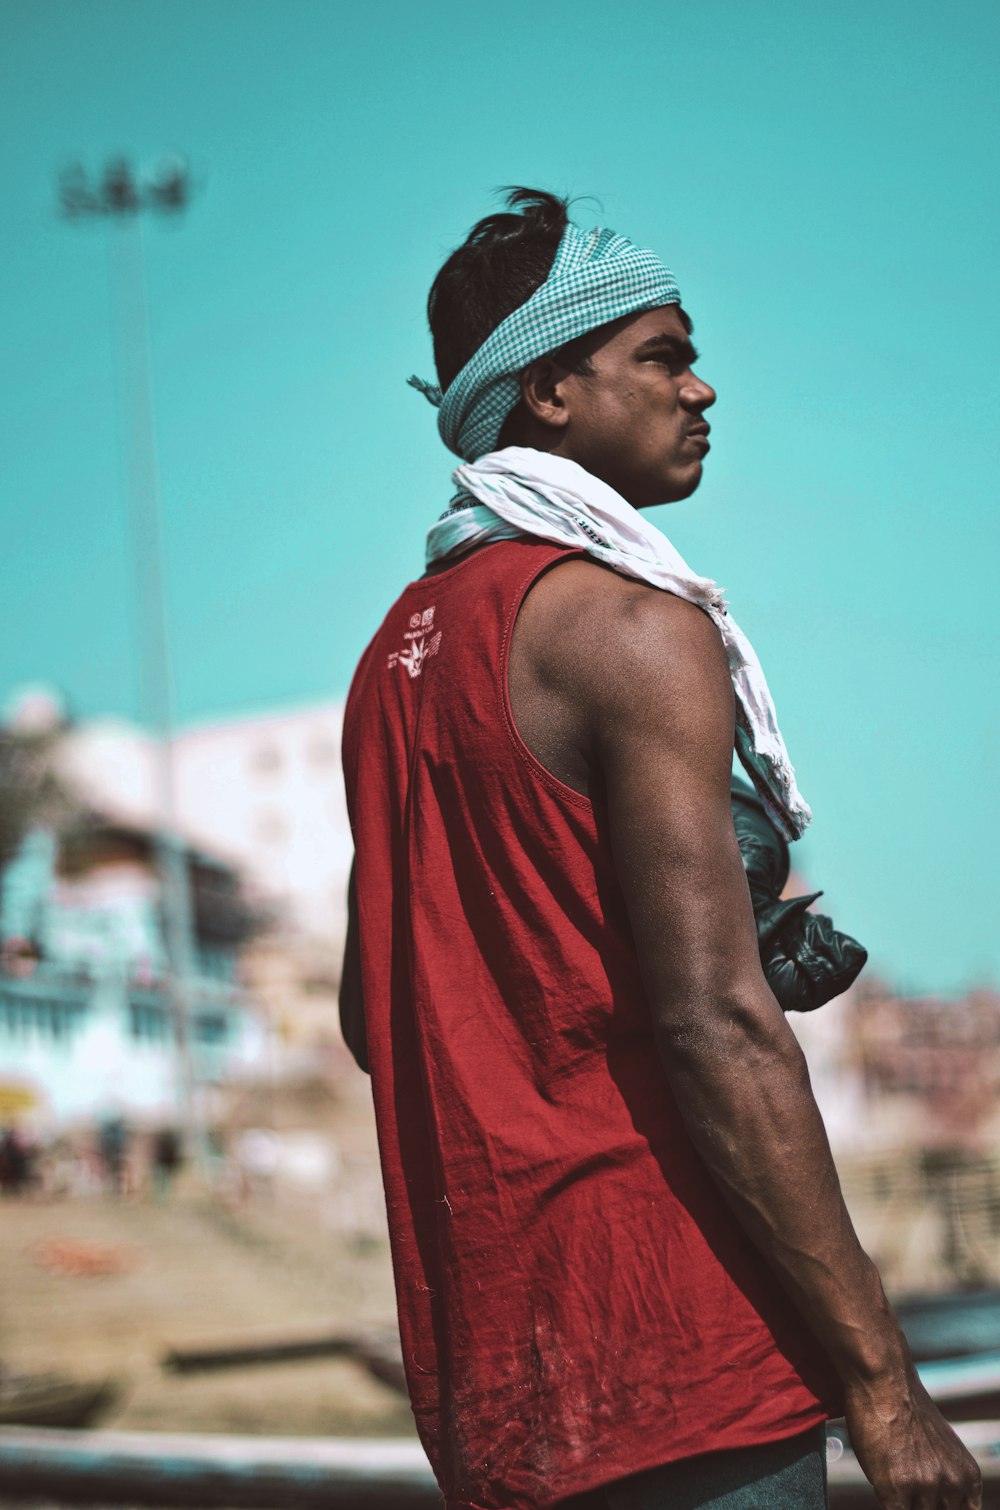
709, 1030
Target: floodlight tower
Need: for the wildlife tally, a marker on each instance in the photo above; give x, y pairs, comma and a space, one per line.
121, 199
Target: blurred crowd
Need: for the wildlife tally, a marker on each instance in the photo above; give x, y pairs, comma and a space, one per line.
110, 1157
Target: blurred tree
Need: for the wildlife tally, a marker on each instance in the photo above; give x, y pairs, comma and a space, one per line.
33, 799
32, 794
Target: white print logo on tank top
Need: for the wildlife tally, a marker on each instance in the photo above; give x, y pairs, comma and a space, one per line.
419, 643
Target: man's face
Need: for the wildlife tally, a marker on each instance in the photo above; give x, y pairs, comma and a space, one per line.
636, 420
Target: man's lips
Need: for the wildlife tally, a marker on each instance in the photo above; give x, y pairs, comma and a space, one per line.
700, 433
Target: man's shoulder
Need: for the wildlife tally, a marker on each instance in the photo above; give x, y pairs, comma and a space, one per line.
609, 633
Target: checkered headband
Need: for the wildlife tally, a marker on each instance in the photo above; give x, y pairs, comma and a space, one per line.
597, 276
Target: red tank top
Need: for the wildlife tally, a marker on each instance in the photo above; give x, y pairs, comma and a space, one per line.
576, 1301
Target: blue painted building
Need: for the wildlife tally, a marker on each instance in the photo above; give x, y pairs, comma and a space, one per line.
86, 1022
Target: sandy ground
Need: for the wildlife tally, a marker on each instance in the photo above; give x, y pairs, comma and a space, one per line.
198, 1270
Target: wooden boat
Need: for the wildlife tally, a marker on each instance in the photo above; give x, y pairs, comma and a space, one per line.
954, 1324
55, 1399
169, 1469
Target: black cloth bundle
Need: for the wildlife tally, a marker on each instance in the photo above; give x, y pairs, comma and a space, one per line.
806, 960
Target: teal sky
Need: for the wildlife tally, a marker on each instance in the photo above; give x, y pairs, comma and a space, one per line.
822, 180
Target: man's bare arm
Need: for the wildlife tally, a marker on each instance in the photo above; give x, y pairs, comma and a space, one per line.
352, 1004
657, 701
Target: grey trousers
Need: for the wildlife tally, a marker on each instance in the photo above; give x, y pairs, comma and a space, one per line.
789, 1475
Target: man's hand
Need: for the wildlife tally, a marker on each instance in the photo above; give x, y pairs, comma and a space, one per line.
906, 1447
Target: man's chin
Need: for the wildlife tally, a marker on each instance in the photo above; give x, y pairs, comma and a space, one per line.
675, 490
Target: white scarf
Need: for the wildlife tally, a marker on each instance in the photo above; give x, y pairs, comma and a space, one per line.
519, 491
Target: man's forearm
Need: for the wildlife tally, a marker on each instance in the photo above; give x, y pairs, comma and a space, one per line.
743, 1090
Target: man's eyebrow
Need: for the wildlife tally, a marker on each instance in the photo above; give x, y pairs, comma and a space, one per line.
667, 342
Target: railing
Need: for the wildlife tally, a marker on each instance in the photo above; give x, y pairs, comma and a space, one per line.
52, 1007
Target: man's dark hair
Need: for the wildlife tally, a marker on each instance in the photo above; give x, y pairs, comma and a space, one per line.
499, 265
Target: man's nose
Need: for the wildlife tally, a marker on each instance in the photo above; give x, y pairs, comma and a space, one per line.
697, 394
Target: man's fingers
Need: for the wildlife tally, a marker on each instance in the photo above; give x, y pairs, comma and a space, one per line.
943, 1494
953, 1491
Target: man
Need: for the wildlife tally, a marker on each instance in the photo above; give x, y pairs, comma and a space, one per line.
625, 1273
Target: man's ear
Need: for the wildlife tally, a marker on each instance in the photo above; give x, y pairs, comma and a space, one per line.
542, 392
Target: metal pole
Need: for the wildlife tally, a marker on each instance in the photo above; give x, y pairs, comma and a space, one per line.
121, 199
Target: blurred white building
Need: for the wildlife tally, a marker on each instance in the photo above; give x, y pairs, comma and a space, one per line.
86, 1019
260, 801
265, 792
827, 1039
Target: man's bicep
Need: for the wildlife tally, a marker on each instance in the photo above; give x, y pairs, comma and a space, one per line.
665, 745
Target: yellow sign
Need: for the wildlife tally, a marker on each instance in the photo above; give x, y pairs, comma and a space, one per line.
16, 1098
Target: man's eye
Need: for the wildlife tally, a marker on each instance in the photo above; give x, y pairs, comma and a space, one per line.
677, 361
677, 364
